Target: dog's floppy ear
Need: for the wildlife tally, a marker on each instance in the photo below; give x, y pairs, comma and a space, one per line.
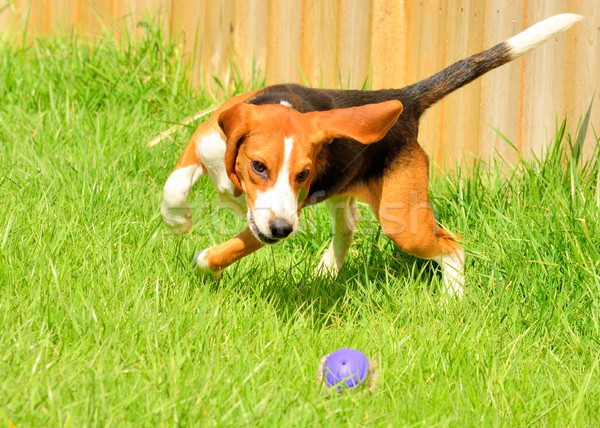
234, 123
366, 124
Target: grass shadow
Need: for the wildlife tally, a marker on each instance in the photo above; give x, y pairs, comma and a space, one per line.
289, 285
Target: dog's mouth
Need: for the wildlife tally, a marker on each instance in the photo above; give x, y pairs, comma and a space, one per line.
256, 231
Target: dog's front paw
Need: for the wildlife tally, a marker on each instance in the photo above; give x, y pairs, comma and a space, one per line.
327, 266
177, 219
203, 267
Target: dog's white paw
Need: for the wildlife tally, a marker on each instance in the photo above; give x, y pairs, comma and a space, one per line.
454, 286
327, 266
203, 268
453, 273
177, 219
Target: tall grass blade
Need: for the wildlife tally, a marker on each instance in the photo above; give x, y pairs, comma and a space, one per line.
505, 139
577, 148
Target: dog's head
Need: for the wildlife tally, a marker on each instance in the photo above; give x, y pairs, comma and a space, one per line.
272, 151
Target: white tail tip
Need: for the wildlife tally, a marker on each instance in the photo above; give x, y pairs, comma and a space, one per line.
540, 32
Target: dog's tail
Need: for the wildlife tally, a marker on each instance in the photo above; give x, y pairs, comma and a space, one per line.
429, 91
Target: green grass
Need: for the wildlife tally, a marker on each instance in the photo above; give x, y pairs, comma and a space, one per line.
104, 322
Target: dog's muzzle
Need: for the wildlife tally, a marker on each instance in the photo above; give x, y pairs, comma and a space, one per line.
279, 228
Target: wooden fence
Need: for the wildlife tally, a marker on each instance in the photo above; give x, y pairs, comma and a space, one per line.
385, 43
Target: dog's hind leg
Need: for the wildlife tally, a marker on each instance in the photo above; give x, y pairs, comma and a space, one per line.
401, 203
344, 215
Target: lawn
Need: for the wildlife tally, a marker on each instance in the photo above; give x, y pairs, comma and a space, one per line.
105, 323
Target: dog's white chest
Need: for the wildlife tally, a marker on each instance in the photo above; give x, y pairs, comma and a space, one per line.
211, 151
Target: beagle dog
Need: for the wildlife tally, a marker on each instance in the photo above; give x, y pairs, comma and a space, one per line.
273, 151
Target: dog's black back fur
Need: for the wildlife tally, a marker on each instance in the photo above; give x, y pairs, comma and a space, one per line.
348, 162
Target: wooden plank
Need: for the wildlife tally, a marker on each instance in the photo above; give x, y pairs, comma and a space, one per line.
543, 95
283, 54
38, 11
427, 56
129, 13
6, 18
94, 18
11, 20
388, 45
582, 78
250, 29
461, 109
187, 28
355, 47
23, 18
216, 43
319, 42
500, 89
61, 16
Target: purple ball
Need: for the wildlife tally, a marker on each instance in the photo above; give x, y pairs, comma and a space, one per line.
347, 366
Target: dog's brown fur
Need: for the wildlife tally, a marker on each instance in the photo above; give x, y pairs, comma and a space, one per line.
302, 146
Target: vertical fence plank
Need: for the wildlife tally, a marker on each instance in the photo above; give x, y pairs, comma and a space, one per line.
319, 51
542, 76
37, 17
61, 15
6, 19
426, 56
412, 12
582, 68
461, 109
216, 42
94, 18
388, 48
187, 27
132, 12
12, 20
355, 48
283, 55
250, 31
24, 17
500, 89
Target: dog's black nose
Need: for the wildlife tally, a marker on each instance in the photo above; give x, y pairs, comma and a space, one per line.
280, 228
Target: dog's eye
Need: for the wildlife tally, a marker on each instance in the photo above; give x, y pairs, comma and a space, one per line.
259, 168
302, 176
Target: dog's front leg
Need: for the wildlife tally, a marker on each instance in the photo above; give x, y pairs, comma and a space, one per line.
213, 260
344, 215
175, 208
